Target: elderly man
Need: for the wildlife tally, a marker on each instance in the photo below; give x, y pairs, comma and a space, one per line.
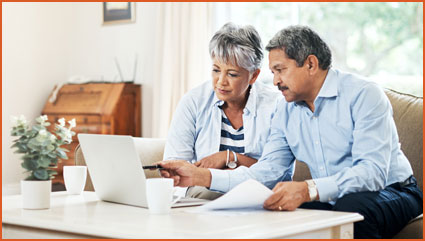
341, 126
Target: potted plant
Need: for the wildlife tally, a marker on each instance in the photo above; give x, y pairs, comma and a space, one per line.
41, 151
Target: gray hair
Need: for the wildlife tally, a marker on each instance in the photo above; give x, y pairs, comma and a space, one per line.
299, 42
238, 45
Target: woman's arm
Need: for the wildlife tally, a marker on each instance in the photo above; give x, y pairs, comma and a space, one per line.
218, 160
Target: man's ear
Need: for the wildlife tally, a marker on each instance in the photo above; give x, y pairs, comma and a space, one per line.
254, 76
312, 64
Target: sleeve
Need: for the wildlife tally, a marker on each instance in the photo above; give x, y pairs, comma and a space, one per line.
182, 133
275, 165
371, 147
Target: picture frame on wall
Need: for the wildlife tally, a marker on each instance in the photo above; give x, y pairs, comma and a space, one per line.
119, 12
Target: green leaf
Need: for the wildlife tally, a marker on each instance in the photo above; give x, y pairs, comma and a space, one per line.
51, 173
61, 153
44, 161
62, 149
52, 155
19, 151
29, 165
41, 174
37, 128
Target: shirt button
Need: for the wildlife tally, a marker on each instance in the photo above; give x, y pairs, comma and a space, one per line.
317, 143
321, 168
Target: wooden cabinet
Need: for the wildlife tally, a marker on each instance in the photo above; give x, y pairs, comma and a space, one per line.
98, 108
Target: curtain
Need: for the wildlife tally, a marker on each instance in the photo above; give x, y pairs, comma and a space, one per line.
182, 60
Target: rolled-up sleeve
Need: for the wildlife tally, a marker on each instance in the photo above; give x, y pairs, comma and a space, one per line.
182, 132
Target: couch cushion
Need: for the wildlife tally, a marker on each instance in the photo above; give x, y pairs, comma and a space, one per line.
413, 230
408, 113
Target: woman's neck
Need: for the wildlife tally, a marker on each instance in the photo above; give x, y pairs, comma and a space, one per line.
238, 105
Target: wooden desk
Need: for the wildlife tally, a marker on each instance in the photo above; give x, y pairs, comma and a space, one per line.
84, 216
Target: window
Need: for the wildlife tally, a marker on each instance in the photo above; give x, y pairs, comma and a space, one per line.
379, 40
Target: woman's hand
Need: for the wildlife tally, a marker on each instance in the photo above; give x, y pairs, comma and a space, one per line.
216, 160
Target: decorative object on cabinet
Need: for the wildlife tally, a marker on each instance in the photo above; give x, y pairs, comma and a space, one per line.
119, 12
98, 108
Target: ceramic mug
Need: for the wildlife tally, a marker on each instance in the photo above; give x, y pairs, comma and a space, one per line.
159, 195
75, 179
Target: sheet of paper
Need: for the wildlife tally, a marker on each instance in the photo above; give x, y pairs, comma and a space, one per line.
249, 194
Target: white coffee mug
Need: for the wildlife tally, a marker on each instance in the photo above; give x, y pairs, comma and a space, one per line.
75, 178
159, 194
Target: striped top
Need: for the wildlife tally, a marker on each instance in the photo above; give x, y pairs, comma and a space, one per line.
231, 139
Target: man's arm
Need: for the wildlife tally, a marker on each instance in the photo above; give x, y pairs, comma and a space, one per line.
185, 174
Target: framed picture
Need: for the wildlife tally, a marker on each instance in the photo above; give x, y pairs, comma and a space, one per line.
118, 12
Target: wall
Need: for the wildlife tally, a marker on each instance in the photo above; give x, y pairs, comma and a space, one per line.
95, 47
45, 43
34, 43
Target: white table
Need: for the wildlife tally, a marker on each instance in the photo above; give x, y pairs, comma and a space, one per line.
84, 216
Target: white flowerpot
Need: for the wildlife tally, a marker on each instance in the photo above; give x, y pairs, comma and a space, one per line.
36, 194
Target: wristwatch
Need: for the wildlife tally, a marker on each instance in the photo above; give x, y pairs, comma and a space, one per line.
233, 164
312, 190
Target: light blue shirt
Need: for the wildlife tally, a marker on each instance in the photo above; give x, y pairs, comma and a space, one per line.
350, 143
195, 130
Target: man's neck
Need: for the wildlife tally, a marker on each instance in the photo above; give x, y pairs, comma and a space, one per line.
319, 79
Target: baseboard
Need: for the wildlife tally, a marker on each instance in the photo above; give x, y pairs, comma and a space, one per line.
11, 189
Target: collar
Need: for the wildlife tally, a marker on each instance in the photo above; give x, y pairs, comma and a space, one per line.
330, 85
250, 106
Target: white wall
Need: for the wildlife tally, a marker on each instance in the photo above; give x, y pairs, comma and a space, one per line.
46, 43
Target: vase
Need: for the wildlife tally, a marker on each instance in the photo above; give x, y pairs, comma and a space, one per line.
36, 194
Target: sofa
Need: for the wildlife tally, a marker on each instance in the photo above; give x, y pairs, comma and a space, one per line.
407, 116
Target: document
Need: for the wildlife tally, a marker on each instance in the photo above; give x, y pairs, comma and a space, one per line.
249, 194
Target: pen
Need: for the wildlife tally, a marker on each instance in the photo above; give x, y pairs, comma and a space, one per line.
153, 167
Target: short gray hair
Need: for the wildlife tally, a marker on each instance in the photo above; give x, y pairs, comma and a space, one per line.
238, 45
299, 42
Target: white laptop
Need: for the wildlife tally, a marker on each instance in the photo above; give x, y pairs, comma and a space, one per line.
116, 170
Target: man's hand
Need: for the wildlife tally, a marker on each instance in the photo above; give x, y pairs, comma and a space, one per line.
287, 196
185, 174
216, 160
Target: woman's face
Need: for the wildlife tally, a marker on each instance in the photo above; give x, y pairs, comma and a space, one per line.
230, 82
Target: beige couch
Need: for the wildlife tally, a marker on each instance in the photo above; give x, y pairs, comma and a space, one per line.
408, 118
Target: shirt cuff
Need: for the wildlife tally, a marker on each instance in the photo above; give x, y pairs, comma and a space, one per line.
327, 188
219, 180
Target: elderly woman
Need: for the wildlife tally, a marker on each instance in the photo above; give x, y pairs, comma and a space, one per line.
225, 124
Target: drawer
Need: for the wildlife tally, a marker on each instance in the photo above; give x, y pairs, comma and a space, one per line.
79, 119
93, 129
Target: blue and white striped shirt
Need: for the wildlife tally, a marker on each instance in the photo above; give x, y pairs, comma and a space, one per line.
231, 139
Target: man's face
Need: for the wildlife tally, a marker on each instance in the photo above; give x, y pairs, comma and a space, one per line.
292, 81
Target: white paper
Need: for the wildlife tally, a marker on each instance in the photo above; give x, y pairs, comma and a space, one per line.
249, 194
